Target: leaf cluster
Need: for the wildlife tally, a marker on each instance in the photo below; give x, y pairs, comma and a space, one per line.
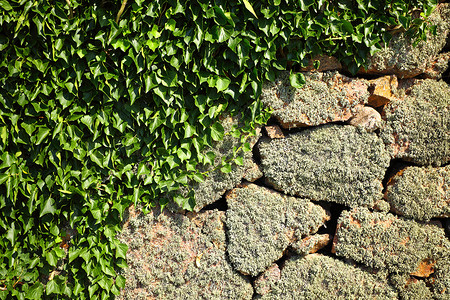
105, 103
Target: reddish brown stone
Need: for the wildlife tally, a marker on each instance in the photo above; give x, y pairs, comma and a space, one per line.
311, 244
274, 132
264, 283
382, 90
366, 117
326, 63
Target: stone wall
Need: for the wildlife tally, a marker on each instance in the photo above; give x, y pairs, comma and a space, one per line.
346, 194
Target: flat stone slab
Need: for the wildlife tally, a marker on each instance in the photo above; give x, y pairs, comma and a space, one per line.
417, 125
420, 193
325, 97
382, 240
317, 276
173, 256
262, 223
337, 163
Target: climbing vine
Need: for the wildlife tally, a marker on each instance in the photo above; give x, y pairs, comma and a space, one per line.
106, 103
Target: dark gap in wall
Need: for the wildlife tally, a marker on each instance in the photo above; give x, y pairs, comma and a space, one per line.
220, 204
255, 150
286, 255
446, 76
446, 224
394, 167
335, 210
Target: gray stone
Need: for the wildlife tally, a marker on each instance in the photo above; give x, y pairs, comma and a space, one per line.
382, 240
342, 164
262, 223
325, 97
321, 277
417, 125
173, 256
404, 59
420, 193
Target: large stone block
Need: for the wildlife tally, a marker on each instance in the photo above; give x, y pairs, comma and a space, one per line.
417, 125
342, 164
321, 277
382, 240
420, 193
325, 97
402, 58
262, 223
173, 256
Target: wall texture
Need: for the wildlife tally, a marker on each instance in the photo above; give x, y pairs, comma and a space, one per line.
345, 195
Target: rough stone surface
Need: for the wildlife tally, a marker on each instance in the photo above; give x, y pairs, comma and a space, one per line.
382, 90
342, 164
437, 66
441, 281
264, 283
252, 171
274, 132
217, 183
381, 240
172, 256
410, 288
320, 277
311, 244
325, 97
367, 118
420, 193
401, 58
262, 223
417, 126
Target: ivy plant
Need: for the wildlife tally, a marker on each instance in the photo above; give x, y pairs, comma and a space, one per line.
106, 103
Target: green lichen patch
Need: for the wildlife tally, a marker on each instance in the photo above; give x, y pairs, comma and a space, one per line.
410, 288
441, 281
420, 193
404, 59
382, 240
262, 223
418, 125
325, 97
173, 256
342, 164
321, 277
217, 183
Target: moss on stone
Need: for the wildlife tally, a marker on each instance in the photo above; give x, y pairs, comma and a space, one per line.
262, 223
325, 97
418, 126
342, 164
441, 281
320, 277
410, 288
404, 59
381, 240
421, 193
173, 256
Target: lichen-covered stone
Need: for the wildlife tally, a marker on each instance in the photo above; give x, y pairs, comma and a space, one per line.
420, 193
172, 256
262, 223
217, 183
367, 118
311, 244
264, 283
440, 283
321, 277
403, 59
417, 126
342, 164
326, 63
325, 97
410, 288
382, 240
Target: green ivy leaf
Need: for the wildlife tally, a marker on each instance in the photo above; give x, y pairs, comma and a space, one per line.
297, 80
217, 131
